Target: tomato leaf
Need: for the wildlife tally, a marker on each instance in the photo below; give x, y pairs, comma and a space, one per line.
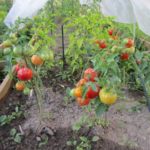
95, 139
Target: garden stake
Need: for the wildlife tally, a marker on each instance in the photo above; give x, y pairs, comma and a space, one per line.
63, 47
53, 11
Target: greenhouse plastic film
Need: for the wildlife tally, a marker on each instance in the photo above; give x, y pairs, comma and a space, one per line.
129, 11
23, 9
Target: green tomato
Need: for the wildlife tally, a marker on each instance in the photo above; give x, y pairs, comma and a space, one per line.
7, 51
44, 56
131, 50
47, 55
7, 43
114, 49
28, 50
26, 91
13, 38
71, 93
18, 50
51, 56
125, 41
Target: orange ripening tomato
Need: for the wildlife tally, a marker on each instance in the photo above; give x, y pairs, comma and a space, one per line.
36, 60
83, 102
97, 42
114, 37
78, 92
81, 82
20, 86
128, 43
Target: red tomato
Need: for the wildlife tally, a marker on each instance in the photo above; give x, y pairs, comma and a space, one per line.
110, 32
129, 43
18, 67
124, 56
91, 93
83, 102
90, 74
24, 74
97, 42
102, 44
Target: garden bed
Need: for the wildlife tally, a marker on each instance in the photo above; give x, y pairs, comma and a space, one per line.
128, 126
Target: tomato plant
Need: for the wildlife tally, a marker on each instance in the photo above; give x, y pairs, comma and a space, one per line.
30, 51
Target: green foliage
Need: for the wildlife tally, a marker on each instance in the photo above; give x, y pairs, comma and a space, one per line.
83, 142
17, 137
7, 119
85, 30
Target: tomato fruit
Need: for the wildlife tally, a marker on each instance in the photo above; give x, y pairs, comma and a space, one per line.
91, 93
128, 43
114, 49
13, 38
24, 74
20, 86
18, 50
114, 37
107, 97
26, 91
81, 82
97, 42
78, 92
83, 102
72, 92
6, 44
110, 31
36, 60
90, 74
19, 66
131, 50
124, 56
102, 44
7, 51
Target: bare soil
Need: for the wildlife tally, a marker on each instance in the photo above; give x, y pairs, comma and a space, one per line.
128, 126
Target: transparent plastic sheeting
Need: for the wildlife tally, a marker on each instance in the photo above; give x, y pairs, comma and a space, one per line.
88, 2
23, 9
127, 11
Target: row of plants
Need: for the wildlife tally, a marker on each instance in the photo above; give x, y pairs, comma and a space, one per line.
107, 56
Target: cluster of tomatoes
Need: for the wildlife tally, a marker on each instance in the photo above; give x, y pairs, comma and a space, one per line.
24, 73
88, 89
125, 48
